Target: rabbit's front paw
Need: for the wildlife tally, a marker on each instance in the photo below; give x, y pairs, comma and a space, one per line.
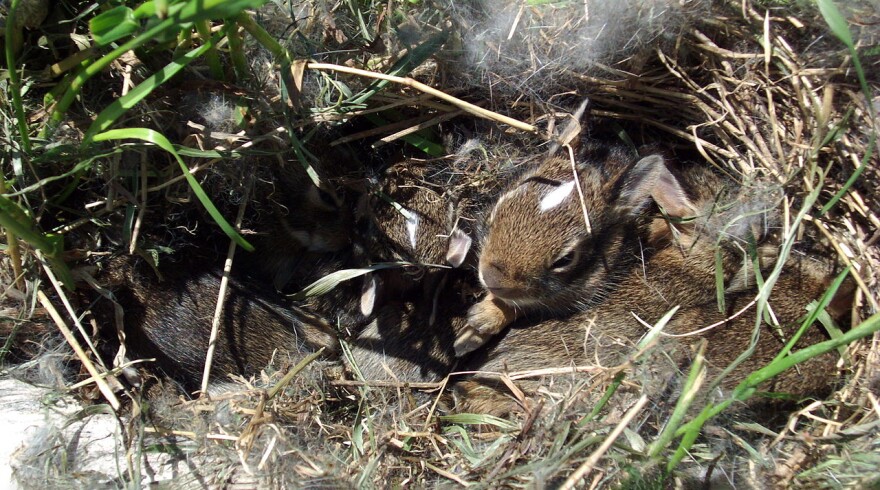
485, 319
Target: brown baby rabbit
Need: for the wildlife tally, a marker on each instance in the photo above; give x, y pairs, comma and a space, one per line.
170, 320
721, 221
415, 215
412, 341
557, 242
607, 334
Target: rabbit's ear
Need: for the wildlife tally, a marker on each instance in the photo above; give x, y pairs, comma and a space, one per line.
459, 246
648, 180
369, 291
573, 132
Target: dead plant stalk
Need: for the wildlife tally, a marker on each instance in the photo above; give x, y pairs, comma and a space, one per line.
409, 82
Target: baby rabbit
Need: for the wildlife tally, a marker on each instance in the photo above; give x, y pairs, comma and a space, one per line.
411, 337
560, 238
171, 321
413, 215
607, 333
681, 273
412, 341
305, 223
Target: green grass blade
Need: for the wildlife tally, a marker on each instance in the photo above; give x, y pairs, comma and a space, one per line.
150, 136
478, 419
119, 106
869, 153
609, 392
17, 221
79, 167
14, 78
203, 27
695, 378
92, 68
112, 25
814, 315
200, 10
405, 65
192, 11
747, 387
839, 27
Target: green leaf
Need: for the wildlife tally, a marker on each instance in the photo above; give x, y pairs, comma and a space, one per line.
16, 220
150, 136
113, 24
145, 10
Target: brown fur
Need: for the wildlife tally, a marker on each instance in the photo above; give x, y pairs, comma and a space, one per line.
171, 322
681, 273
412, 184
411, 337
412, 341
607, 333
539, 256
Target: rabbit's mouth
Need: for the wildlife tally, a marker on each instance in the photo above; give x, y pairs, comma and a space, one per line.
513, 296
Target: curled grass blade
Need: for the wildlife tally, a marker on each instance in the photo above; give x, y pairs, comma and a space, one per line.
150, 136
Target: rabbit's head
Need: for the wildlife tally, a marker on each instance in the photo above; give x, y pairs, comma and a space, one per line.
564, 231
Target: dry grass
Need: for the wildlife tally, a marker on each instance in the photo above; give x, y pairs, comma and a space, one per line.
767, 97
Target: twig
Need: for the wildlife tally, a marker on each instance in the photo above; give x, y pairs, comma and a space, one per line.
221, 295
388, 384
700, 331
69, 308
409, 82
418, 127
447, 474
80, 353
380, 130
142, 205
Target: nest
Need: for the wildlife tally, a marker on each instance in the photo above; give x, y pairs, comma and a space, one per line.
762, 94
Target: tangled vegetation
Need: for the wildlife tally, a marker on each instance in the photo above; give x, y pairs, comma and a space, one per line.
153, 129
